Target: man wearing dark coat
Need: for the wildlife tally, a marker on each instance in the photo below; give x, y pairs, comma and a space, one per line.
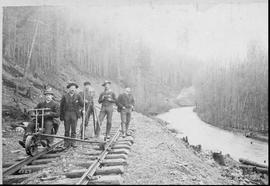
70, 106
50, 119
107, 99
125, 103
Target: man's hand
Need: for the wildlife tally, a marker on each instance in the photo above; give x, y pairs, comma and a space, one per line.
103, 97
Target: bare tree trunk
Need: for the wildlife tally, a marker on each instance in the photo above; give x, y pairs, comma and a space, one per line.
31, 49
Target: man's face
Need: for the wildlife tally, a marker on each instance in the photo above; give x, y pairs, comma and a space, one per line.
72, 89
48, 97
87, 87
107, 86
127, 90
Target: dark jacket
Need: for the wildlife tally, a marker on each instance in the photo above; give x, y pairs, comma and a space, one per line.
125, 100
71, 104
107, 98
51, 114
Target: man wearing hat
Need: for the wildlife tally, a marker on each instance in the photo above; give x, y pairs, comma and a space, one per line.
70, 105
107, 99
88, 94
125, 103
50, 119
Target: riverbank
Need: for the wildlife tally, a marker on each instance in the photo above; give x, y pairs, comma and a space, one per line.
159, 157
261, 136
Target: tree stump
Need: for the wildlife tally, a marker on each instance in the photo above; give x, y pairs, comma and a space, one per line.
185, 139
218, 157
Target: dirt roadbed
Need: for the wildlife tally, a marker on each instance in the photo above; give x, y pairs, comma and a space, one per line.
158, 157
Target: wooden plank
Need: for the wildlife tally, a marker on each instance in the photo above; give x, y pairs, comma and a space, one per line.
119, 151
254, 169
108, 180
121, 146
41, 161
47, 156
113, 162
31, 168
116, 156
249, 162
10, 179
100, 171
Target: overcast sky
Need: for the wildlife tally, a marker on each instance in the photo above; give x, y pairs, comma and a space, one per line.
206, 32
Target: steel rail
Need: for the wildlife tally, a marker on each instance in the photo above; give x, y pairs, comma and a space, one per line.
12, 169
92, 169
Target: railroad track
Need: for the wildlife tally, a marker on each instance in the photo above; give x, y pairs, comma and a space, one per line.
27, 167
86, 164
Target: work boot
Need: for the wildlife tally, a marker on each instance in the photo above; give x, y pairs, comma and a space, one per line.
49, 143
128, 134
43, 143
22, 143
66, 144
60, 148
73, 145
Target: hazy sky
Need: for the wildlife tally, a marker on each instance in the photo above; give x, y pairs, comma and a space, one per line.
215, 32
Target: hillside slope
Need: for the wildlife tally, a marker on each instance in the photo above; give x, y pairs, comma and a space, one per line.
13, 104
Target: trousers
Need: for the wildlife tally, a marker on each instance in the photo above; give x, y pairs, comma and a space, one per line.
88, 113
70, 122
125, 119
108, 112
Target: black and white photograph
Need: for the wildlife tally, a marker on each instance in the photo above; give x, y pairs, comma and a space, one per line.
134, 92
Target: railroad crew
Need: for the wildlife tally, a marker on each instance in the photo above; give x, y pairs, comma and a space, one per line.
88, 94
50, 119
107, 98
70, 106
125, 105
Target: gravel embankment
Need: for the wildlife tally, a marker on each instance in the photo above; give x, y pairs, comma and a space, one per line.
158, 157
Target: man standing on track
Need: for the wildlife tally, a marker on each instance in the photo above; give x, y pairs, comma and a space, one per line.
70, 112
125, 103
107, 99
88, 94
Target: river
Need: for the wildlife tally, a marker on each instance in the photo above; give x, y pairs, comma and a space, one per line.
187, 123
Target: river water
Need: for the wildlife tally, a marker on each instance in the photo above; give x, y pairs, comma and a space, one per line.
187, 123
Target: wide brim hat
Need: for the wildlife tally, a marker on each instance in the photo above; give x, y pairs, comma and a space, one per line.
72, 84
106, 82
49, 92
86, 83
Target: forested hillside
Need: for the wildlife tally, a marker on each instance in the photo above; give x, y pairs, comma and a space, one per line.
235, 95
50, 45
43, 41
